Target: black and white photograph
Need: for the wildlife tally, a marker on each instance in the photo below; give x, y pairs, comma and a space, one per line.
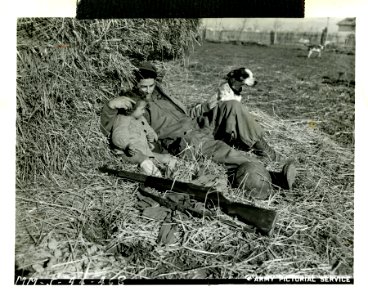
185, 150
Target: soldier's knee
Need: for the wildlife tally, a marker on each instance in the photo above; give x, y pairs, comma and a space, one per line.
230, 105
234, 108
254, 178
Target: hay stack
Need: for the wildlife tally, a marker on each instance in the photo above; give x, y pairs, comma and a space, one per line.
67, 68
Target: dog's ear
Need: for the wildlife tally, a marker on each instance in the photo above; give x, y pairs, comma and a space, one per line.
243, 74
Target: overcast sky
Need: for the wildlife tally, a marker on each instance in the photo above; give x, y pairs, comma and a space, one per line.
305, 24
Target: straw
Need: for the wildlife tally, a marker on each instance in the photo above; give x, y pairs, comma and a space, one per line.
74, 222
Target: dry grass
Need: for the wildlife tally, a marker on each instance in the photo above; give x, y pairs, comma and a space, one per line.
74, 222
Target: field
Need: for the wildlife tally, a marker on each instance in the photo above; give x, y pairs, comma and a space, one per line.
75, 222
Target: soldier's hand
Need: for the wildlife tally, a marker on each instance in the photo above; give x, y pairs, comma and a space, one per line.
212, 102
121, 102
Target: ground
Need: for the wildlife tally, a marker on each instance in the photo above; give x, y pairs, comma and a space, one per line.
67, 223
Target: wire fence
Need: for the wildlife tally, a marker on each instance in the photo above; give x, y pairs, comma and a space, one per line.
339, 39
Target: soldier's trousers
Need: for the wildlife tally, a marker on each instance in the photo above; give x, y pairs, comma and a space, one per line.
232, 123
244, 170
202, 143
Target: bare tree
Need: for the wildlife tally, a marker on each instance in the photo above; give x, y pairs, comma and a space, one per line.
221, 27
256, 26
276, 27
241, 29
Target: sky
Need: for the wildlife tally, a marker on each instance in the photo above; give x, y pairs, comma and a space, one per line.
265, 24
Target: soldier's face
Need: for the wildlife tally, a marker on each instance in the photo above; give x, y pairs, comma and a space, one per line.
146, 87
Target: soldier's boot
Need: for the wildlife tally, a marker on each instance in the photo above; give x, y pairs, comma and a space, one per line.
286, 178
253, 178
262, 149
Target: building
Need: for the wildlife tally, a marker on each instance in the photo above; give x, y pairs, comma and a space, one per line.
346, 32
346, 25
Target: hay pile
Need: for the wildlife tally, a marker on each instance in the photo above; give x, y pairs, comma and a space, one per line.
67, 68
74, 222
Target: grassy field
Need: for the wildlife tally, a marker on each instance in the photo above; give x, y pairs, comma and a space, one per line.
69, 220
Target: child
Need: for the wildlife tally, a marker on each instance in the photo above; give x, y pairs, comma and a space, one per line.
132, 133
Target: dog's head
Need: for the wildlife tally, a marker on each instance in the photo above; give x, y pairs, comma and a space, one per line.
238, 78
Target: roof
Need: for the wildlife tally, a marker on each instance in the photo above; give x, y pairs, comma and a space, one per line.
347, 21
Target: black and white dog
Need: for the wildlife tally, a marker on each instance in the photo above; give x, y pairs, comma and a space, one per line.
238, 78
315, 49
232, 87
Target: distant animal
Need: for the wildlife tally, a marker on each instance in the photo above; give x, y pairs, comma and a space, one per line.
238, 78
304, 41
315, 49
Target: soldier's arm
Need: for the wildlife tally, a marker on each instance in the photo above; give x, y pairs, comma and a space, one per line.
201, 108
110, 110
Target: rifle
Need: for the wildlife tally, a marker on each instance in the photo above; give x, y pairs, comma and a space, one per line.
263, 219
184, 204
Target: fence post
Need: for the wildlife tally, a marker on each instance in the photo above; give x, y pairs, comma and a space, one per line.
324, 36
220, 36
272, 37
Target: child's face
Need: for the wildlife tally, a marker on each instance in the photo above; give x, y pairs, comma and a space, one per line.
139, 110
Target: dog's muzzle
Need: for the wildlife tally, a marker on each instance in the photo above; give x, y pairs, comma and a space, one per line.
250, 81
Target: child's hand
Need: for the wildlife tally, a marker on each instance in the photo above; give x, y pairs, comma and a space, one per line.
152, 137
130, 150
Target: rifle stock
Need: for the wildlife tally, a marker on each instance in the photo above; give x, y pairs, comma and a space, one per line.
263, 219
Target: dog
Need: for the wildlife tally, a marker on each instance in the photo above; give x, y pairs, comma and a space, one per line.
238, 78
226, 93
231, 88
315, 48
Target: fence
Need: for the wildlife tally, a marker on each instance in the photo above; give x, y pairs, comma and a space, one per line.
345, 39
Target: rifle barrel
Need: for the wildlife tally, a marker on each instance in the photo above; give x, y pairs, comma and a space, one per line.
263, 219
